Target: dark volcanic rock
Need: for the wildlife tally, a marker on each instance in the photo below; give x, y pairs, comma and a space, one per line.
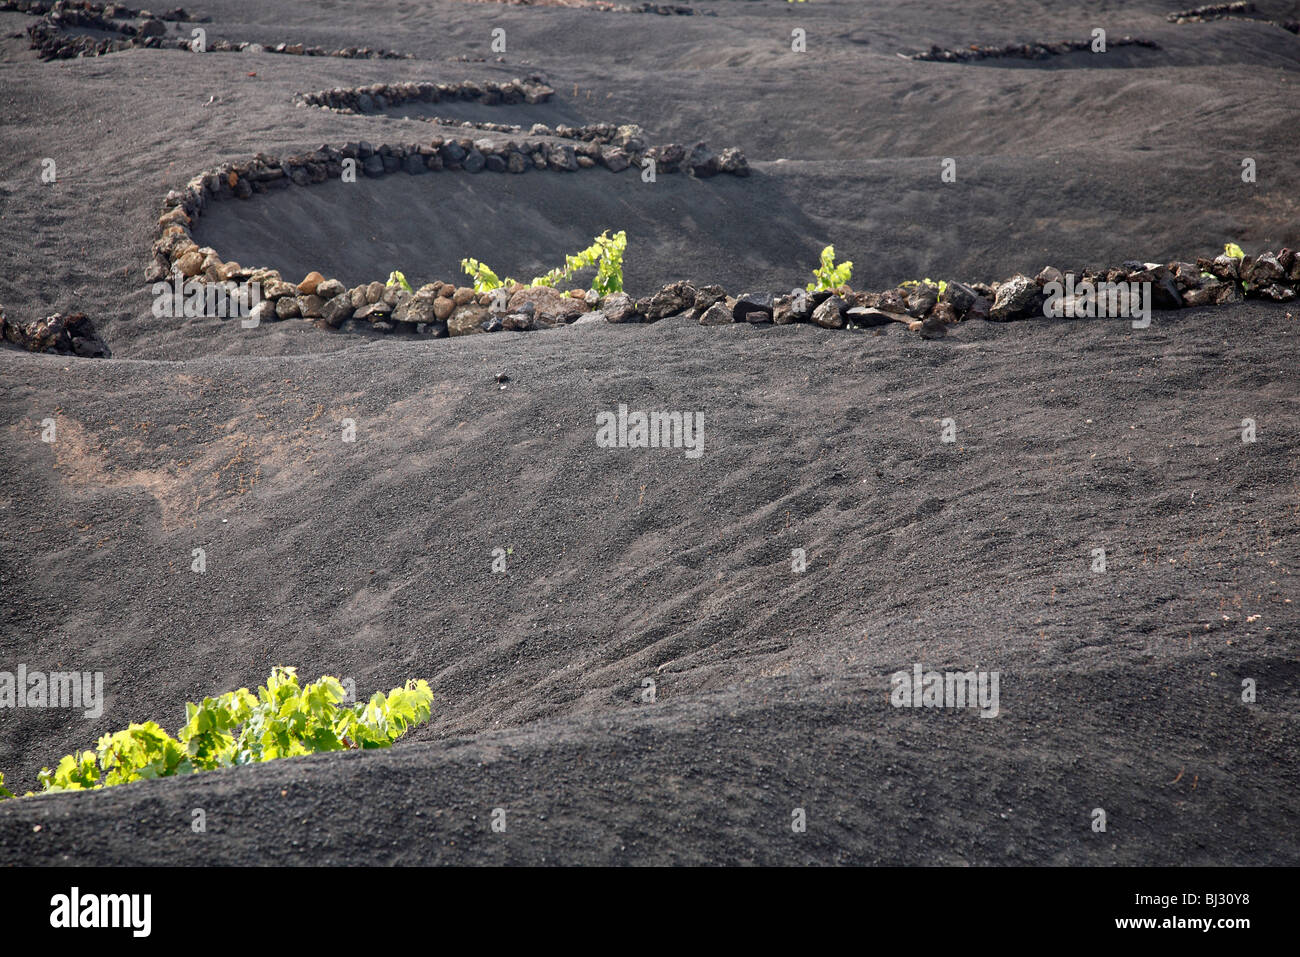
751, 302
619, 307
867, 316
550, 306
893, 300
706, 296
1164, 291
981, 308
614, 159
668, 158
453, 154
717, 315
933, 327
561, 157
68, 335
671, 299
732, 160
921, 300
1265, 269
338, 309
1015, 296
703, 161
830, 314
960, 295
467, 319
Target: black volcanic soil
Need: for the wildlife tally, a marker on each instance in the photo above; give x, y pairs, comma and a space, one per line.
372, 559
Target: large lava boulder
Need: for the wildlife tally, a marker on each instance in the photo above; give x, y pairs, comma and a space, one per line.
67, 335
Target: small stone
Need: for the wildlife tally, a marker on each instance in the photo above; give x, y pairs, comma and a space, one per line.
751, 302
190, 264
1225, 267
980, 308
706, 296
959, 295
310, 282
467, 319
1014, 297
561, 156
619, 307
337, 309
717, 315
414, 311
670, 300
264, 311
830, 314
867, 316
703, 161
328, 289
443, 308
732, 160
614, 159
1277, 292
944, 312
311, 307
921, 300
933, 328
1266, 269
548, 306
893, 300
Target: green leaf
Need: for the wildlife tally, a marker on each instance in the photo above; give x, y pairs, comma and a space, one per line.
828, 275
284, 719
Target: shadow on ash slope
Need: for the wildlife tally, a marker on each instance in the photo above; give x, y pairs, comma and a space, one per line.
522, 226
